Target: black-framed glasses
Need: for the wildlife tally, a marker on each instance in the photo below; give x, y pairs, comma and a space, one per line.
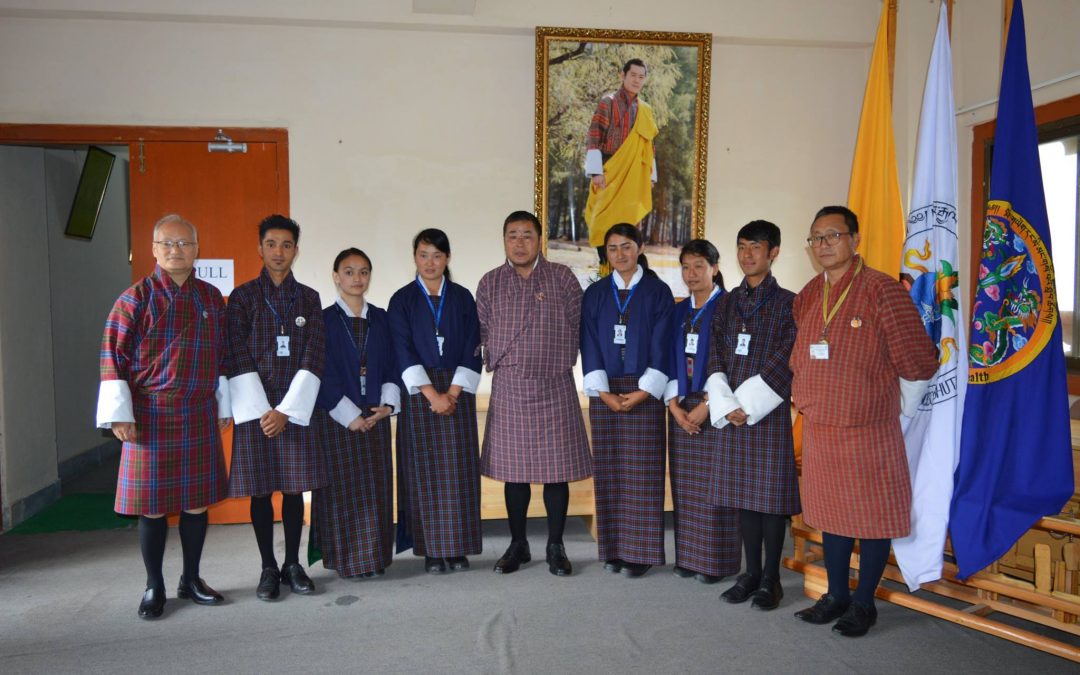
182, 244
828, 239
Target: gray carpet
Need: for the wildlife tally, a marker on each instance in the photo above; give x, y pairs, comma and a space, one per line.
68, 605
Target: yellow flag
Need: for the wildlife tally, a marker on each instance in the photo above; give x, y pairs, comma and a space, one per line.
874, 192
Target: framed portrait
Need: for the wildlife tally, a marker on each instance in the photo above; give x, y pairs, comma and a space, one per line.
621, 131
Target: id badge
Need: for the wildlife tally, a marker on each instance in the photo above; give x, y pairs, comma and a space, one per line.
742, 347
819, 351
691, 343
440, 340
363, 385
282, 345
620, 334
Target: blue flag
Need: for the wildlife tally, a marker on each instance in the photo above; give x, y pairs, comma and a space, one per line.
1015, 448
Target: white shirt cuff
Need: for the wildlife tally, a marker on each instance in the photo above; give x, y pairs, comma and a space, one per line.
299, 400
654, 170
248, 398
911, 395
594, 382
391, 395
594, 162
114, 403
654, 382
672, 391
757, 399
466, 378
721, 399
345, 412
224, 401
415, 377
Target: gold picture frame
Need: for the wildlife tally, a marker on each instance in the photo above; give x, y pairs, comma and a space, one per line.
574, 68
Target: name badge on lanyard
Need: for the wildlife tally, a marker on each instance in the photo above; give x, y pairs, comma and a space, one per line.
691, 343
282, 345
819, 351
742, 347
363, 381
620, 334
441, 340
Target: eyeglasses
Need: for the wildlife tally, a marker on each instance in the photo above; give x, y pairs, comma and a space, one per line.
829, 239
181, 245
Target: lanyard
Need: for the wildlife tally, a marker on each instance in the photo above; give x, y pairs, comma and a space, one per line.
437, 313
361, 350
693, 321
288, 310
622, 307
747, 317
828, 315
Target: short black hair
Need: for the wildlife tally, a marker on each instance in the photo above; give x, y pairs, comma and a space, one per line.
704, 249
348, 253
523, 216
434, 237
850, 219
279, 222
634, 62
760, 230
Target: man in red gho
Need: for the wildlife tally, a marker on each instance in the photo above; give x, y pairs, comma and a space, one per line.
164, 395
276, 355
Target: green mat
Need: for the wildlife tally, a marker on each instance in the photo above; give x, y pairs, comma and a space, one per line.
79, 512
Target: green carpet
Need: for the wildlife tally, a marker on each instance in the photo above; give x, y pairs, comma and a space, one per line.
79, 512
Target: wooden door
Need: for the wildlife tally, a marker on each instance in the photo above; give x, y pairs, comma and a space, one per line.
225, 195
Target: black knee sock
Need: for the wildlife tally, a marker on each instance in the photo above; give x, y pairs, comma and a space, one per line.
517, 497
750, 526
192, 535
556, 502
152, 534
292, 521
873, 556
262, 521
773, 528
838, 563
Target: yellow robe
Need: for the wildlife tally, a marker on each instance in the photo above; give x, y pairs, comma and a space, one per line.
628, 173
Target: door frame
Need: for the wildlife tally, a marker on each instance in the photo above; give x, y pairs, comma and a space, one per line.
133, 136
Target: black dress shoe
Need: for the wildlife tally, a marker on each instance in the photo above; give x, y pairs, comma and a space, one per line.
707, 578
372, 575
457, 564
298, 580
744, 586
825, 610
269, 587
614, 566
434, 565
516, 554
198, 592
682, 572
634, 570
558, 563
768, 595
857, 620
153, 603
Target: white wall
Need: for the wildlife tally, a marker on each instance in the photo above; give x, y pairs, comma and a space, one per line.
84, 278
27, 422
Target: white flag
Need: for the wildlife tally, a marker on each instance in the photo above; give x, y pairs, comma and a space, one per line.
929, 268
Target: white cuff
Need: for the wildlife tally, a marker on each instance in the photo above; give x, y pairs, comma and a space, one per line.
594, 162
391, 395
114, 403
721, 399
654, 382
466, 378
415, 377
911, 395
654, 170
299, 400
224, 401
248, 398
757, 399
595, 381
671, 391
345, 412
